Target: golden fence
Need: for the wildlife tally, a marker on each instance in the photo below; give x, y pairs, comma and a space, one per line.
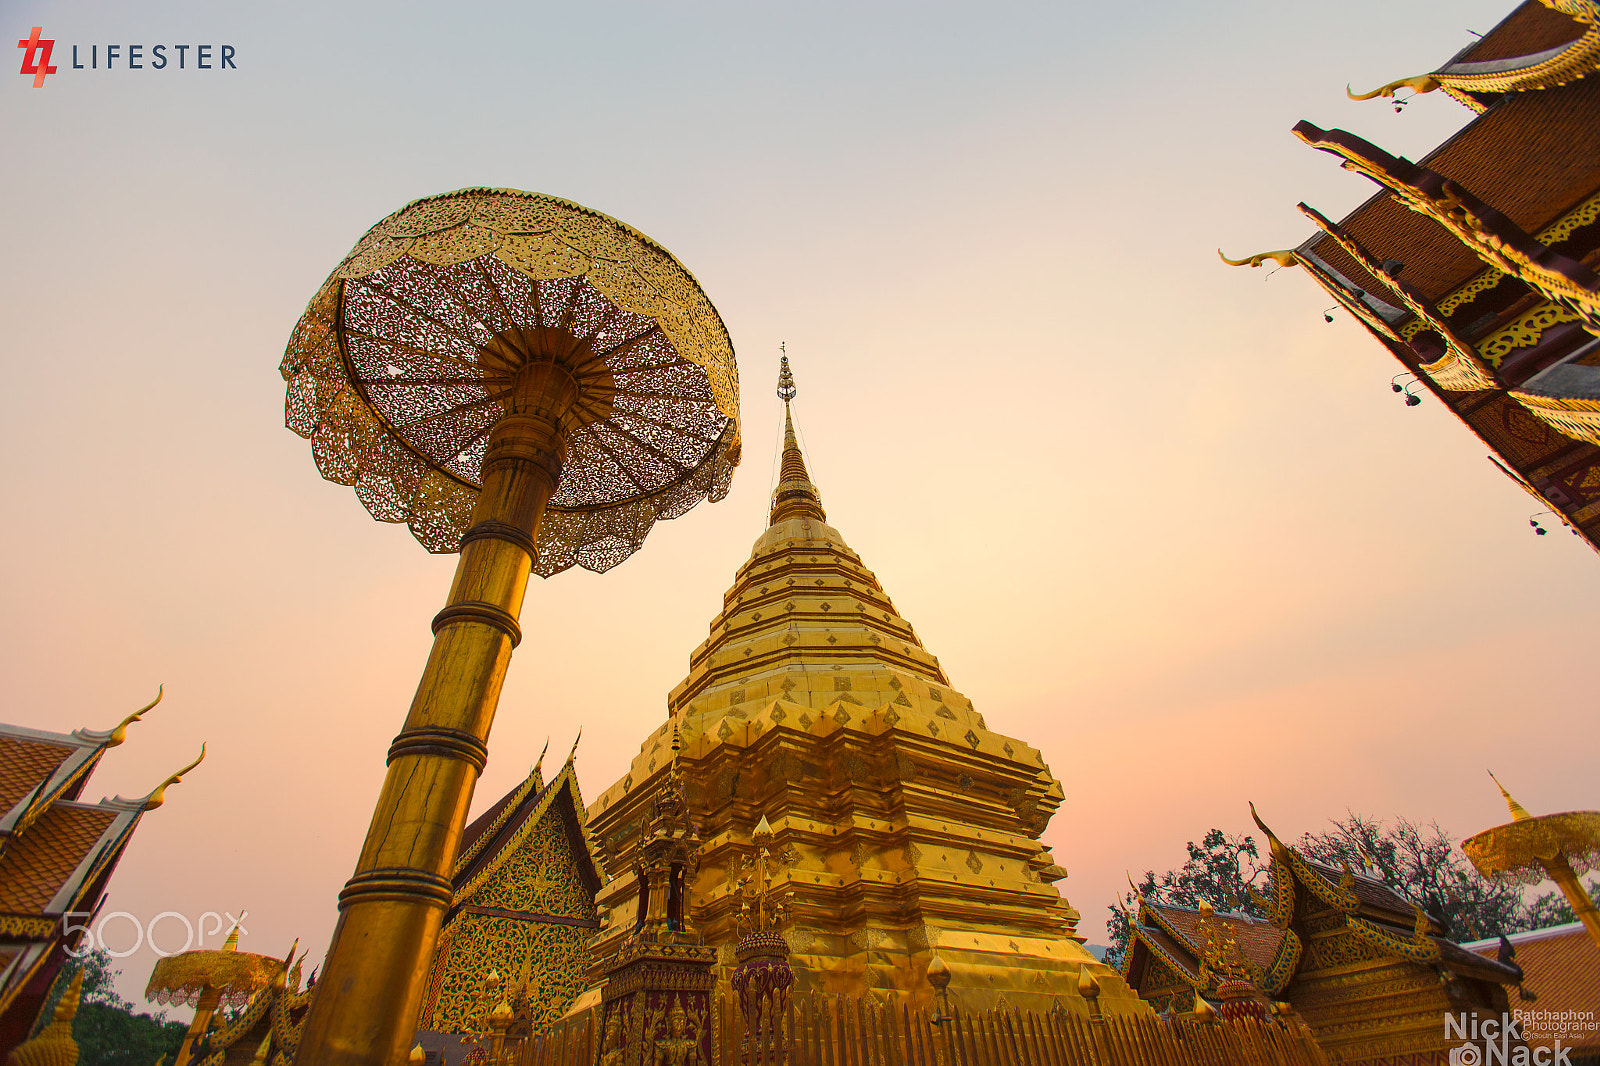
863, 1031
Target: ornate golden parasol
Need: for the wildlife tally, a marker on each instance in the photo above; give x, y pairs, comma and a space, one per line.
535, 384
206, 980
1526, 850
418, 344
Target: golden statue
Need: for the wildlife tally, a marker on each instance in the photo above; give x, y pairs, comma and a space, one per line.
678, 1047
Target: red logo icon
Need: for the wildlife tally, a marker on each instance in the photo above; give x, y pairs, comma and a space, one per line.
36, 57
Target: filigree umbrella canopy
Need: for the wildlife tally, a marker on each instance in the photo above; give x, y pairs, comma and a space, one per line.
405, 360
1515, 852
184, 980
206, 980
1526, 850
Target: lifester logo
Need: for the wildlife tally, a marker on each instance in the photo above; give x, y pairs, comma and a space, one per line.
36, 57
36, 53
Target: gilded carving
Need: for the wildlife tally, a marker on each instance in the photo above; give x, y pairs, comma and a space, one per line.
1524, 330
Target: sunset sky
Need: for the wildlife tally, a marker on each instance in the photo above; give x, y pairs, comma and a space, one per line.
1153, 514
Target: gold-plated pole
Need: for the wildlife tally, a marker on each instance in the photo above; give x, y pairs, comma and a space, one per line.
1560, 871
197, 1027
367, 1002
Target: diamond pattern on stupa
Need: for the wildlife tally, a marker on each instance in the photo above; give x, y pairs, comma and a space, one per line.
906, 825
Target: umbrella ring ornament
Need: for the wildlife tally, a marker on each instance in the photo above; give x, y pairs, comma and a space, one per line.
534, 384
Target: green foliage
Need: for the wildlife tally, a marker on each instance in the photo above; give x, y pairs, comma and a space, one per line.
1552, 908
1422, 863
110, 1036
106, 1028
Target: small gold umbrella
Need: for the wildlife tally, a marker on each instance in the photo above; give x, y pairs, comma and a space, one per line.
533, 384
206, 980
1526, 850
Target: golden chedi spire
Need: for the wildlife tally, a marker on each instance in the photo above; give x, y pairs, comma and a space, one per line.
795, 496
900, 822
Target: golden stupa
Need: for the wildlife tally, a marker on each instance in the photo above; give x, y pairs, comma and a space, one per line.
903, 825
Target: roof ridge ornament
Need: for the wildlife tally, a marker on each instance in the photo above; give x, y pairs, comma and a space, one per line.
1284, 257
158, 795
110, 738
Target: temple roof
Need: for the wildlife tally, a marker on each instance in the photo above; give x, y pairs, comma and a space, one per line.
1560, 966
496, 834
56, 853
1178, 925
36, 866
1531, 28
1477, 266
1493, 157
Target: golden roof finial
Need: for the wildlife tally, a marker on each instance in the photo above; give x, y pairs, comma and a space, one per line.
261, 1052
120, 733
573, 754
1417, 83
1284, 258
1519, 813
232, 943
159, 795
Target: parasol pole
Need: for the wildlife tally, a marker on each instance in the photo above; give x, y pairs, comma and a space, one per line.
370, 994
197, 1027
205, 1007
1561, 872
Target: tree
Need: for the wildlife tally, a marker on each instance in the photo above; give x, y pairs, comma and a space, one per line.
1552, 908
106, 1028
1421, 862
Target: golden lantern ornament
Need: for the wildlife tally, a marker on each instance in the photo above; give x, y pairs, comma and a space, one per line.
1526, 850
530, 383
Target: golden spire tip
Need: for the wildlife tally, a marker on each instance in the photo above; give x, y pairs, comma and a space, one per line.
1519, 813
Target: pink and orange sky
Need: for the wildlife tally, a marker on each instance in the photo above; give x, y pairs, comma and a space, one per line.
1153, 514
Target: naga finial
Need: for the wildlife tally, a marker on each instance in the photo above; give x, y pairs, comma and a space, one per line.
573, 754
1284, 257
786, 389
119, 734
1417, 83
159, 796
